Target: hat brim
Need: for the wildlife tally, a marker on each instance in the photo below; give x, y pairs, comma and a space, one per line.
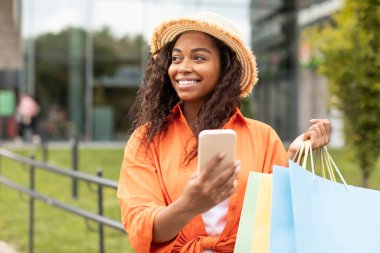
169, 30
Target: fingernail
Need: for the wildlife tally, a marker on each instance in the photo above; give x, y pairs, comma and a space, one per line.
222, 155
237, 167
237, 163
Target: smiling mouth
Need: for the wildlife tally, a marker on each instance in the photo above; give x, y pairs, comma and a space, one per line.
187, 83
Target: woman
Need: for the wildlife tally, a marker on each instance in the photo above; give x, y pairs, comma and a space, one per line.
199, 70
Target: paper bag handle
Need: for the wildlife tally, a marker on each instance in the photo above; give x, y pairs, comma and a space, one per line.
304, 152
326, 160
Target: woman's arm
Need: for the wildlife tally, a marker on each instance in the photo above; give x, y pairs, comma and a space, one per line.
318, 133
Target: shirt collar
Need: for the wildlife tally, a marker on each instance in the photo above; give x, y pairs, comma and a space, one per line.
176, 109
236, 117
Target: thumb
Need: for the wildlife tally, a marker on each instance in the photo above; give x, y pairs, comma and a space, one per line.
306, 136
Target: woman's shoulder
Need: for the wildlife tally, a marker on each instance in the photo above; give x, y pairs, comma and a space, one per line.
257, 125
264, 135
261, 129
137, 134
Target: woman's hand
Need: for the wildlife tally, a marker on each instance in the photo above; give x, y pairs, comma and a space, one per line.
207, 190
201, 194
318, 134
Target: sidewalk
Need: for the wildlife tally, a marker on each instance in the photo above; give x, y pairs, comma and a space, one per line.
6, 248
64, 144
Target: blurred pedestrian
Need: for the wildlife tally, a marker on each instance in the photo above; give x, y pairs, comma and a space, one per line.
27, 116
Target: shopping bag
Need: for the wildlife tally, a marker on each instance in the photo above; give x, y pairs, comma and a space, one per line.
312, 214
282, 238
331, 217
254, 225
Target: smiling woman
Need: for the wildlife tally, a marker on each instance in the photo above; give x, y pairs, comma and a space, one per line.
199, 70
195, 70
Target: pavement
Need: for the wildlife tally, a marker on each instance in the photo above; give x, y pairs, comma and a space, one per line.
64, 144
6, 248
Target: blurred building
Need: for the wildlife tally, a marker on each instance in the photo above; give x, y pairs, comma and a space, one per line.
10, 64
83, 60
289, 92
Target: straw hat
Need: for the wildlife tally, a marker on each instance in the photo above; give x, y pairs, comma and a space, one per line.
217, 26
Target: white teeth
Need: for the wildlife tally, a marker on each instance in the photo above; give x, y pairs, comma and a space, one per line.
187, 82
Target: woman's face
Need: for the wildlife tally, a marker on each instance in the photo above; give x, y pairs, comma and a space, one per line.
195, 67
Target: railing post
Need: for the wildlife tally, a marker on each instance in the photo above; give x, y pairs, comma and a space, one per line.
1, 166
44, 146
74, 165
100, 212
31, 208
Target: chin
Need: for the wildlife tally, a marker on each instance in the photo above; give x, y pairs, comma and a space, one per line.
185, 96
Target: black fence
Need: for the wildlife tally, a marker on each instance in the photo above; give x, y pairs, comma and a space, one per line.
75, 176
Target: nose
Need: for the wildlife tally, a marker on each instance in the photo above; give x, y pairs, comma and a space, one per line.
185, 66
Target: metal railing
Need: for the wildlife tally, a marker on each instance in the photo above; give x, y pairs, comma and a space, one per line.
75, 176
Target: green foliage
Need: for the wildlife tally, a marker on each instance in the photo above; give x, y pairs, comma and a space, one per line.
110, 51
247, 107
52, 61
351, 62
57, 55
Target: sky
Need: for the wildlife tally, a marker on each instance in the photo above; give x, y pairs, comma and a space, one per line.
124, 16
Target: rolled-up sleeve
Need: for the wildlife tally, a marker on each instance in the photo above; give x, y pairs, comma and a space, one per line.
139, 193
275, 152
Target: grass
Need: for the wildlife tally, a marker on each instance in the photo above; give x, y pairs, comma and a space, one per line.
58, 231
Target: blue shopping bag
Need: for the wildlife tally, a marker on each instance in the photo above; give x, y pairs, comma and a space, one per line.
282, 237
331, 217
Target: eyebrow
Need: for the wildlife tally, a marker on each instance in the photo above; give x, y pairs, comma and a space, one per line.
194, 50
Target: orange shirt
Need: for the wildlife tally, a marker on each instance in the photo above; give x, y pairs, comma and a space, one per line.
151, 180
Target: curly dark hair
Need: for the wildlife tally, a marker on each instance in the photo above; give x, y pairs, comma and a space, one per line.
157, 97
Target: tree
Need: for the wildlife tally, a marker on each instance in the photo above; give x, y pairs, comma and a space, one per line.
247, 107
351, 62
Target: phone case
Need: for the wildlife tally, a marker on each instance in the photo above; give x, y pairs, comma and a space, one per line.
211, 143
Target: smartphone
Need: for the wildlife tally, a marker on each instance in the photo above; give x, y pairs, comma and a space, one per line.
213, 142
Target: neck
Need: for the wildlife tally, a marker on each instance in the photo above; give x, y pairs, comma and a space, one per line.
190, 111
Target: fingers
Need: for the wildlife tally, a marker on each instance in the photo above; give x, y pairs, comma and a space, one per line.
229, 173
207, 189
219, 186
318, 133
209, 169
295, 145
229, 186
227, 190
326, 123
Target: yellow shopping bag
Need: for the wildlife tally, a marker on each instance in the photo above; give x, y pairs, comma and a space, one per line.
254, 226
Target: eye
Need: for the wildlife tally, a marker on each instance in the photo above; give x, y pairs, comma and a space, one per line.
199, 58
176, 58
